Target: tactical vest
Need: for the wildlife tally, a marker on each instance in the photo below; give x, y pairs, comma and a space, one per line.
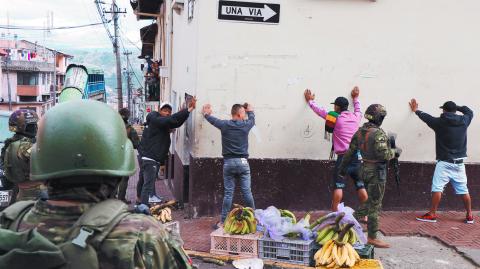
29, 249
366, 143
17, 169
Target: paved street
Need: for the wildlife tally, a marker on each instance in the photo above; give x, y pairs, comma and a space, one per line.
444, 244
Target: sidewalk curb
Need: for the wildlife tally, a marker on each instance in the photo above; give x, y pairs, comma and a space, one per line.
268, 264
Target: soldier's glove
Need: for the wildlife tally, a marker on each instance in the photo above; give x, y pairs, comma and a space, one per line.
398, 152
142, 209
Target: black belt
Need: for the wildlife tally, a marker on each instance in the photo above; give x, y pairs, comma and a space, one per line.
459, 161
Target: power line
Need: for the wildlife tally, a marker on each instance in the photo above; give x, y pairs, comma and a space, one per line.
35, 28
129, 65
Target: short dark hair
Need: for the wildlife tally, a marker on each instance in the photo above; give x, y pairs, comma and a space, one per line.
236, 108
124, 112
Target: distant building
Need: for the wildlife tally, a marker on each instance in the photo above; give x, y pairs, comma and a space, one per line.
34, 74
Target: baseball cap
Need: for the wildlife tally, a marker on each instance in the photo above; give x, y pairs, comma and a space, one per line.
449, 106
165, 104
341, 102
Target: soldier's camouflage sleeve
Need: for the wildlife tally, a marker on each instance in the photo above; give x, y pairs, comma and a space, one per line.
382, 146
24, 150
347, 158
139, 241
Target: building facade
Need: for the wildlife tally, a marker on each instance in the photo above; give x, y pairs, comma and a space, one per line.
393, 50
31, 75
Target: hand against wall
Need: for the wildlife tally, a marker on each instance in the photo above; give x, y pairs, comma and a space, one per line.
207, 109
355, 92
192, 104
248, 107
413, 105
308, 95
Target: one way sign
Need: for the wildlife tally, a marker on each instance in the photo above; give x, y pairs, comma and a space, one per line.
249, 11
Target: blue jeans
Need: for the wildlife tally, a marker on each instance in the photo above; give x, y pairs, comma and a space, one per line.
232, 169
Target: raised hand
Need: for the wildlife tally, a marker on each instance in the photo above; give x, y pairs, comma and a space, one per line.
355, 92
308, 95
413, 105
207, 109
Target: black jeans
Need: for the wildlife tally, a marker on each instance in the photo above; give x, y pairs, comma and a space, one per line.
150, 170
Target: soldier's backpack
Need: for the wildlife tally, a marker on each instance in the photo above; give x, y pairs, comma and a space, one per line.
30, 249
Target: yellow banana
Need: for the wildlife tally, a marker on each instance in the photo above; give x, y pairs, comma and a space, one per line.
357, 257
319, 254
335, 254
328, 252
344, 256
331, 265
347, 260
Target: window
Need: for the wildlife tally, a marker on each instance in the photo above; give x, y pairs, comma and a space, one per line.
43, 78
27, 78
27, 98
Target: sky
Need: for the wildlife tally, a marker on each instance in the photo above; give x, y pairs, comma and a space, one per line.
69, 13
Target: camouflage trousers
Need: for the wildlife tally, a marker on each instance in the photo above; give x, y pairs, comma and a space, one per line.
374, 178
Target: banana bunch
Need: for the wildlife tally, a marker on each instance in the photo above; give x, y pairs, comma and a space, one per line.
333, 255
331, 232
337, 252
288, 214
164, 214
241, 220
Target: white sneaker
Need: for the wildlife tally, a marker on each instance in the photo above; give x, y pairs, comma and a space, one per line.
154, 199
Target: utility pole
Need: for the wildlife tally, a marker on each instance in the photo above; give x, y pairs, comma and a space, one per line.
54, 93
8, 81
114, 10
129, 82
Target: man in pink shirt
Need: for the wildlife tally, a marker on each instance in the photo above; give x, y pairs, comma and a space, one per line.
346, 125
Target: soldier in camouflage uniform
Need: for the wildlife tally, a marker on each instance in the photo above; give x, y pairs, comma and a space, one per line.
82, 166
16, 154
376, 151
133, 136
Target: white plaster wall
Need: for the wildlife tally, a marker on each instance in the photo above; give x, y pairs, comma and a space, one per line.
184, 75
393, 50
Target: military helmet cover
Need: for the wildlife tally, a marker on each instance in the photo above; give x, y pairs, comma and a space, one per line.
83, 137
23, 121
375, 113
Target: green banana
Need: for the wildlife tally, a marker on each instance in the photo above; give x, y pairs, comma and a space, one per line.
288, 214
227, 225
353, 238
329, 235
321, 234
245, 227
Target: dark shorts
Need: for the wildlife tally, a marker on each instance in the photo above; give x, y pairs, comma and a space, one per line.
353, 170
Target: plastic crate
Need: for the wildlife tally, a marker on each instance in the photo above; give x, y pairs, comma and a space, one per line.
367, 252
288, 250
244, 246
173, 226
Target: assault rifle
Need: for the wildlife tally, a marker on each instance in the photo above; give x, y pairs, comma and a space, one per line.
394, 161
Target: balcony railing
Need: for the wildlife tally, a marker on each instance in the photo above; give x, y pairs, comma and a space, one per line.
28, 90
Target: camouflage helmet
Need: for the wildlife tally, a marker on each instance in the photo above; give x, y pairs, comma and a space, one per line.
376, 113
23, 121
81, 138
